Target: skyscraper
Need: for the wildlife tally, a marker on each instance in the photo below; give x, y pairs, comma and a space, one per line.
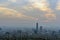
36, 27
41, 28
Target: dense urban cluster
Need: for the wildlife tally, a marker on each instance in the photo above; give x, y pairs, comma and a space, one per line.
35, 34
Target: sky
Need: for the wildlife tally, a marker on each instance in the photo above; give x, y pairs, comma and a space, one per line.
25, 13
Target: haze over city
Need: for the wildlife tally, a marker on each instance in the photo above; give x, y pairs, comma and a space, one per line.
25, 13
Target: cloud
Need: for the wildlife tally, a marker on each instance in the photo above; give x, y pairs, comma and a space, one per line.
5, 4
12, 0
58, 5
42, 5
6, 12
27, 7
49, 17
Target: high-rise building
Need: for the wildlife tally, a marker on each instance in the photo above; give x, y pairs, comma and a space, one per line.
36, 27
41, 28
